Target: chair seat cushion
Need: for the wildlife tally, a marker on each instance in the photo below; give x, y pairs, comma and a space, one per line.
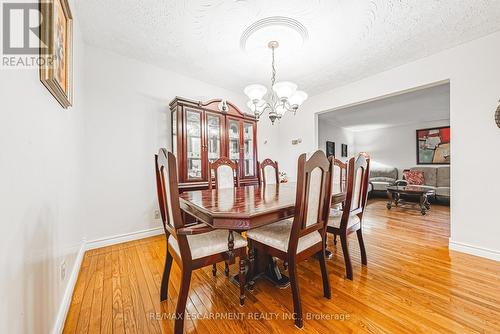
336, 216
277, 235
209, 243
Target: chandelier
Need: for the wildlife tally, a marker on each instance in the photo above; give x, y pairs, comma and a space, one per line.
282, 97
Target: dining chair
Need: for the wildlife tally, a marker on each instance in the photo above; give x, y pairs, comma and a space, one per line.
190, 246
349, 219
294, 240
226, 174
339, 177
269, 172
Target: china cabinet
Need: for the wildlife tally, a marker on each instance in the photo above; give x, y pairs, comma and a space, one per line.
202, 132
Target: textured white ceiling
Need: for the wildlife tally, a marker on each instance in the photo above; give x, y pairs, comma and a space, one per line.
424, 105
348, 39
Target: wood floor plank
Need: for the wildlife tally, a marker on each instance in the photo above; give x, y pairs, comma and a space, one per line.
86, 303
107, 293
96, 309
118, 321
413, 284
76, 300
129, 321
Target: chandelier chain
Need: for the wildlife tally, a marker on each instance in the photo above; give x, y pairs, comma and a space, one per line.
273, 77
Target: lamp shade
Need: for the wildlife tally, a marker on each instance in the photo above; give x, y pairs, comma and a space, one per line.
298, 98
284, 89
255, 92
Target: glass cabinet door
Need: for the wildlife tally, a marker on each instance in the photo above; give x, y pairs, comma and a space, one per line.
234, 140
248, 150
193, 145
213, 130
213, 137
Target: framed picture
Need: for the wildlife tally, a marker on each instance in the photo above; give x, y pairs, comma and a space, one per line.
344, 150
56, 49
433, 146
330, 149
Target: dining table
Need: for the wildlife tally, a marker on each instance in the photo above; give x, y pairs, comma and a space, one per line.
243, 208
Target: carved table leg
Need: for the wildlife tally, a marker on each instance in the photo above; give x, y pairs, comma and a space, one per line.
423, 204
251, 271
230, 252
389, 205
273, 273
427, 204
242, 279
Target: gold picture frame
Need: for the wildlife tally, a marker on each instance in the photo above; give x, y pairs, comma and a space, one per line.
56, 50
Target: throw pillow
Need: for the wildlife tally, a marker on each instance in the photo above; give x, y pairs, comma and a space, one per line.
414, 177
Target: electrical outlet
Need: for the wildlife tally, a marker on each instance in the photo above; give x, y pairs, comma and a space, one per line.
63, 270
156, 214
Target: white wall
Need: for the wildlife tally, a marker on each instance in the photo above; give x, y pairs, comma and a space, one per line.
127, 121
330, 132
473, 70
40, 198
393, 146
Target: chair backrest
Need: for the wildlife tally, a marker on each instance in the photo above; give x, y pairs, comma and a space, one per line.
167, 188
269, 171
313, 196
225, 172
339, 175
357, 187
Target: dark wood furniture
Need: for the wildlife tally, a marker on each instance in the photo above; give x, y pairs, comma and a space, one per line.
339, 175
191, 246
268, 168
349, 219
221, 179
296, 240
202, 132
225, 174
244, 208
339, 178
395, 192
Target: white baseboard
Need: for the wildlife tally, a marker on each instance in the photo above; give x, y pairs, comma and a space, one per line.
474, 250
108, 241
116, 239
68, 292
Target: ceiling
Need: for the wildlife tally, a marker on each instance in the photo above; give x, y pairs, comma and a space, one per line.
343, 41
424, 105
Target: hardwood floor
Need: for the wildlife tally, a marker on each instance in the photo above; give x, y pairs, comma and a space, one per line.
412, 284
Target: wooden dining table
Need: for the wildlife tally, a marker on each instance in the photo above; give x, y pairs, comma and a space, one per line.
243, 208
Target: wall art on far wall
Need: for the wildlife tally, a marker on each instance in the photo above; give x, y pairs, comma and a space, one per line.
330, 148
344, 150
433, 146
56, 48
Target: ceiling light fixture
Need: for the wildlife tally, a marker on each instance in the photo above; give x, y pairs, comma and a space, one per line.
282, 97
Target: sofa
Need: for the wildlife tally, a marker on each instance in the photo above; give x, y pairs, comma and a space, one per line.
438, 179
435, 177
381, 177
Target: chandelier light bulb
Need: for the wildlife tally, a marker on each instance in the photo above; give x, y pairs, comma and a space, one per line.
298, 98
284, 89
255, 92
